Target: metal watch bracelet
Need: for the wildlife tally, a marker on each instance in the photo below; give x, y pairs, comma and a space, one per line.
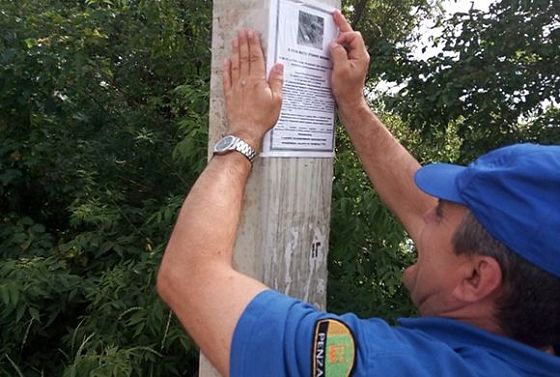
233, 143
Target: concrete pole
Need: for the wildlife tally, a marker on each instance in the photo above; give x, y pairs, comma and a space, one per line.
284, 233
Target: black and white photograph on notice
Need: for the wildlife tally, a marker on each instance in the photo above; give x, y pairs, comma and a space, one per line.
310, 30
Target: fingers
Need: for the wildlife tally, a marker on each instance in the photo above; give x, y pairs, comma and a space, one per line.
226, 75
235, 62
354, 45
247, 58
276, 79
351, 40
256, 57
338, 53
341, 22
244, 61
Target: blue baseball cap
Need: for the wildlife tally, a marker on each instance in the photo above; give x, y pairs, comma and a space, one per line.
514, 192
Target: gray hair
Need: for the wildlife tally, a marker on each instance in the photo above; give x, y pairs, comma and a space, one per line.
528, 306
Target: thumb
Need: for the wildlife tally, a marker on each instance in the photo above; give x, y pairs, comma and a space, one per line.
338, 54
276, 80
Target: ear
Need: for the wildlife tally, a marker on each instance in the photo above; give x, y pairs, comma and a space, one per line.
482, 277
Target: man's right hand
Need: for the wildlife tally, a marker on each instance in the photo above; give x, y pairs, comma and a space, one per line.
252, 103
350, 65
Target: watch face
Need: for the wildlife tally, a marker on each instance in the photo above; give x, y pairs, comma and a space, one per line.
225, 143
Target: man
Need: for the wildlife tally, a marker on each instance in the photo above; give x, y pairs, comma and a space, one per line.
487, 278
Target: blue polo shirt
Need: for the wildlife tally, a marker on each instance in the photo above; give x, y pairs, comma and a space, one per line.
281, 336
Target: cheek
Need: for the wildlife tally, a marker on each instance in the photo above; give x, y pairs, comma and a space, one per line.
409, 277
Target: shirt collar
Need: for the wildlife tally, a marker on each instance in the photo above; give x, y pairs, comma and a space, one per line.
457, 334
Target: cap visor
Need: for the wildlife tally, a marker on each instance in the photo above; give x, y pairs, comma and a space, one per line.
439, 180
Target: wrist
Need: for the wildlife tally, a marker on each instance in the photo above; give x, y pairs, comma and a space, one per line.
251, 138
353, 105
233, 143
352, 112
235, 161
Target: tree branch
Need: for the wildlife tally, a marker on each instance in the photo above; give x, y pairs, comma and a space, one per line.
358, 13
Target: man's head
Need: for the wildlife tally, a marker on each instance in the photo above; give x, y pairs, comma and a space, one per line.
514, 192
510, 201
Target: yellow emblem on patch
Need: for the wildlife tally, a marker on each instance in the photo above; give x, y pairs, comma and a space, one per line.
334, 349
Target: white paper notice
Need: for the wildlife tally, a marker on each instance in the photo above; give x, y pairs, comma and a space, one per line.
299, 36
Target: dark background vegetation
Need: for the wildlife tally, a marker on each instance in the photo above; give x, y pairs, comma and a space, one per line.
103, 129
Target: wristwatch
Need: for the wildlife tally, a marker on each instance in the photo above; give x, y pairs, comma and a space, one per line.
233, 143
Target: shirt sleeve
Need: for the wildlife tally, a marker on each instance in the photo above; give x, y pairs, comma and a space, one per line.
281, 336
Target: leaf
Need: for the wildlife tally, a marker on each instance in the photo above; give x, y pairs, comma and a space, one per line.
34, 313
4, 294
14, 294
30, 43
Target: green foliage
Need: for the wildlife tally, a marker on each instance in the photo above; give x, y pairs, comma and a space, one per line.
103, 114
498, 73
386, 24
392, 21
368, 249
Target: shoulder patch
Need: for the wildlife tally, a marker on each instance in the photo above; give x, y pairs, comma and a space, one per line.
334, 349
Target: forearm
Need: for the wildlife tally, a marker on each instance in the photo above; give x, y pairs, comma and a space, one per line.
388, 164
207, 223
